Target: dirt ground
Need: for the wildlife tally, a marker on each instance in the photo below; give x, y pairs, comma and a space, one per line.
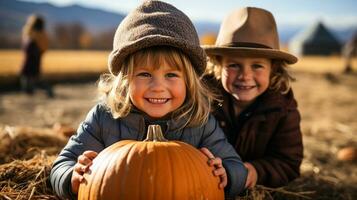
327, 102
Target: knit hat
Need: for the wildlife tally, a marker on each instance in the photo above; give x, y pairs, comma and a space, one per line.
249, 32
156, 23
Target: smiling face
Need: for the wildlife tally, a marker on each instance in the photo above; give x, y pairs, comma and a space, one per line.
157, 90
245, 78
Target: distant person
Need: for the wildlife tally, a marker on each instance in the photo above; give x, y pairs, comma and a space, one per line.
34, 43
155, 67
350, 51
258, 113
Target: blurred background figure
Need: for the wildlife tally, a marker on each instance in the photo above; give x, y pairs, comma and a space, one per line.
34, 44
349, 51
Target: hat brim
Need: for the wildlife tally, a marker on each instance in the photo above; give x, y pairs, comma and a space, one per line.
212, 50
196, 55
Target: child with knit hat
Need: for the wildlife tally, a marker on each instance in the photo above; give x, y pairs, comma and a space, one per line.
258, 113
154, 79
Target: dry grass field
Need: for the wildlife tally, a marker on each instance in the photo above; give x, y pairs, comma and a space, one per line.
57, 62
67, 62
327, 103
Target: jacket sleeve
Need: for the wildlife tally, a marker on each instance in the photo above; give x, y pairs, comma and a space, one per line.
87, 138
281, 163
215, 140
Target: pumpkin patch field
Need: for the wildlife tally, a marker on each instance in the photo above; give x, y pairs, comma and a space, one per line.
33, 129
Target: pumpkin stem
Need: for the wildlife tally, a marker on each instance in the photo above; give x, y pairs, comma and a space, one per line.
155, 134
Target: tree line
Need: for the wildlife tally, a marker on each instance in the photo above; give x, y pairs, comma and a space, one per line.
76, 36
65, 36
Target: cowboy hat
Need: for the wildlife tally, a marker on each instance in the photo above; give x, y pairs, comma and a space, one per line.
250, 32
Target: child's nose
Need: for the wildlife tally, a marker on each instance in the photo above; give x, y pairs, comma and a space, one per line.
157, 84
245, 74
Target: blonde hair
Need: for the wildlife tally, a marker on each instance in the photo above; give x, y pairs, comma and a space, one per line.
34, 29
280, 77
115, 89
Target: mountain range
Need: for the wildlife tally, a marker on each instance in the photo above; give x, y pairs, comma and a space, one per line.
13, 15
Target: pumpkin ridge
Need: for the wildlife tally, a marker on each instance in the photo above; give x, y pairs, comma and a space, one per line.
189, 173
118, 152
89, 192
145, 146
199, 160
103, 174
156, 159
202, 173
193, 166
97, 190
209, 183
152, 170
131, 157
172, 156
170, 170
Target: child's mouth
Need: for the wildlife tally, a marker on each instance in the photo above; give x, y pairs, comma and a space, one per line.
244, 87
157, 100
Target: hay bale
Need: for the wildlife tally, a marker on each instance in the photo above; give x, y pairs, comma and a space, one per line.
27, 179
26, 142
318, 186
260, 192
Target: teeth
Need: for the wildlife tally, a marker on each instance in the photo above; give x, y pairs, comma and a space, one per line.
244, 87
151, 100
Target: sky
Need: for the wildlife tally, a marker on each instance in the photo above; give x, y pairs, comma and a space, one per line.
339, 13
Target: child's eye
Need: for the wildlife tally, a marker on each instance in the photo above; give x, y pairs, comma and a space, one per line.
171, 75
233, 66
257, 66
143, 74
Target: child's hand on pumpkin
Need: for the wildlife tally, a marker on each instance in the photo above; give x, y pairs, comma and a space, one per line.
252, 175
219, 170
82, 166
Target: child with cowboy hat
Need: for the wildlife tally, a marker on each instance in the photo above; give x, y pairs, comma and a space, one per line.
154, 79
258, 113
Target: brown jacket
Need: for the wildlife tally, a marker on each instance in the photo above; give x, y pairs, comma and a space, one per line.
266, 134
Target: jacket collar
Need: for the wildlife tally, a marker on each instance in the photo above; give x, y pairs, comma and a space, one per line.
137, 121
268, 101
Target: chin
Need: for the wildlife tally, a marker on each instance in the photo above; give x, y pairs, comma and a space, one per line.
246, 99
157, 116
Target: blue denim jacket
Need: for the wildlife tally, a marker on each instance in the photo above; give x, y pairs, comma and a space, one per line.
100, 130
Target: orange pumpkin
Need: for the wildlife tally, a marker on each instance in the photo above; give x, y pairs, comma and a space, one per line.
150, 169
347, 154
